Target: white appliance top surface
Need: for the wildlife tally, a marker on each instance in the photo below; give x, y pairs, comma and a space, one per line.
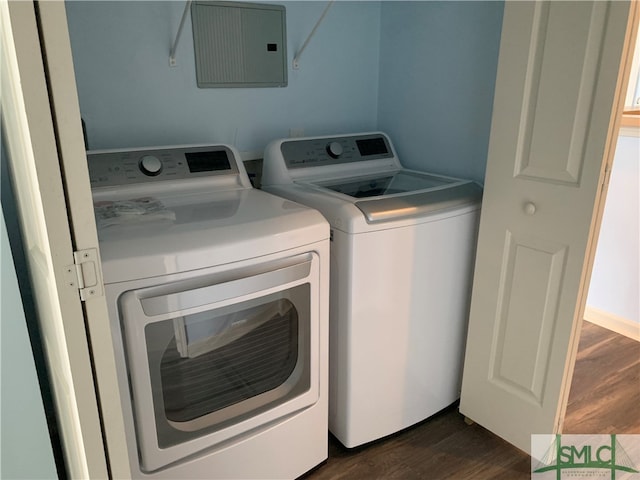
360, 176
166, 226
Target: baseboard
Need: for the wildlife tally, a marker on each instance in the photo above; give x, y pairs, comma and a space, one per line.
613, 322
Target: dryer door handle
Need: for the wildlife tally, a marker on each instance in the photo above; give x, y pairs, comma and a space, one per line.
243, 284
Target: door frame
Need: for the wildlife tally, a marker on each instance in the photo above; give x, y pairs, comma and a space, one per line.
633, 25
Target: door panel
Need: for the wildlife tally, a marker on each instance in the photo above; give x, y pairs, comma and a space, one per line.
526, 317
554, 151
557, 91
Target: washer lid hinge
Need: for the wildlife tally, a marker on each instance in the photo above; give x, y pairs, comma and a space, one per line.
85, 274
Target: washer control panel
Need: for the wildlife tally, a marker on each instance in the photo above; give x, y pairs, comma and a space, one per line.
317, 152
112, 168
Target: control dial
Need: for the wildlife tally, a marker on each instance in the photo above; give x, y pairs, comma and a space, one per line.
150, 165
334, 149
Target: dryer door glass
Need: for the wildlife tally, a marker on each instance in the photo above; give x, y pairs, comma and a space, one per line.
214, 368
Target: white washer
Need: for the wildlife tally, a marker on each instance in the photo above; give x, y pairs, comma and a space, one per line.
218, 302
402, 253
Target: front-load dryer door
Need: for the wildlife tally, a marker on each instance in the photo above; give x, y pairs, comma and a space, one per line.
220, 355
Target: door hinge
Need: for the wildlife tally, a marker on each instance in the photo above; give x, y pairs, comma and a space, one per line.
606, 177
85, 274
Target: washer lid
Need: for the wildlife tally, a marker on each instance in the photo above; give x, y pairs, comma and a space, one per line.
402, 194
421, 203
390, 183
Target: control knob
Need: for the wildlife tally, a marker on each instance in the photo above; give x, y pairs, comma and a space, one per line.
150, 165
334, 149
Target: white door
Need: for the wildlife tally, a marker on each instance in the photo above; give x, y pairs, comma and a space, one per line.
28, 129
54, 38
557, 92
41, 122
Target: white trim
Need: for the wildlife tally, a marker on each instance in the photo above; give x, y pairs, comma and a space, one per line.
629, 131
613, 322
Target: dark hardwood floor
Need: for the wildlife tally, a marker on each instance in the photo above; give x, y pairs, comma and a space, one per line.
604, 398
605, 392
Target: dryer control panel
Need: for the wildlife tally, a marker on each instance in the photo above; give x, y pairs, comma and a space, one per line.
319, 152
114, 168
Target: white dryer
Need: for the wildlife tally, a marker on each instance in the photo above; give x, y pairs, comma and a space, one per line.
402, 254
218, 302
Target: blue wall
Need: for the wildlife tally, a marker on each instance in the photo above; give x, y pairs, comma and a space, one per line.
26, 451
422, 71
129, 96
438, 64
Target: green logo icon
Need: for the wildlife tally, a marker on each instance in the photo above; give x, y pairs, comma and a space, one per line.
582, 456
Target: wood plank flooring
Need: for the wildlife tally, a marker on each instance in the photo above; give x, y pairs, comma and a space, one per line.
605, 392
604, 398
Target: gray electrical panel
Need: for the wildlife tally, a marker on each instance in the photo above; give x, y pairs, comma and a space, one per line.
239, 44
